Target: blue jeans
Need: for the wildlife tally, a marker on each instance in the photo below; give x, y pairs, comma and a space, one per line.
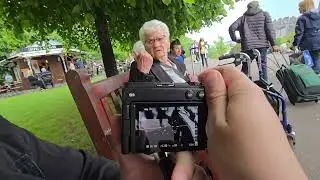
315, 57
264, 65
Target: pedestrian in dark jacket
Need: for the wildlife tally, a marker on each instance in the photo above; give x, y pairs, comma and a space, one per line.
256, 32
307, 35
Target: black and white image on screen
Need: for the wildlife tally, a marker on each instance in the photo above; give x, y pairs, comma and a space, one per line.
174, 124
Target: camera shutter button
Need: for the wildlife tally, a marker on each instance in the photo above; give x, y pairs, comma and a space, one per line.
189, 94
200, 94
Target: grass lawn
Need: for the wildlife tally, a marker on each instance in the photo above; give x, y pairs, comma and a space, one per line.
51, 115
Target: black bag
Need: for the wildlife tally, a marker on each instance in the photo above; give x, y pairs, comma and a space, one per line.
295, 88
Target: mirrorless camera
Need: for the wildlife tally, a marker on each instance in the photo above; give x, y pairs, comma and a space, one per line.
163, 117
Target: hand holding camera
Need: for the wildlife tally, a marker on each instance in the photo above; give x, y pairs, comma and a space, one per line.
241, 127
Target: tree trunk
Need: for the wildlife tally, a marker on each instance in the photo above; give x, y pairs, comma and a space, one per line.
109, 62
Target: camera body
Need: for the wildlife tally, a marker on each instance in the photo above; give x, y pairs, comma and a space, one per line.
163, 117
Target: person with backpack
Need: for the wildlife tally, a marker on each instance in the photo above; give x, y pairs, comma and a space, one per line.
256, 32
307, 35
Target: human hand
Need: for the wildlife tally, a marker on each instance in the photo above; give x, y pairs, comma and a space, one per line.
275, 49
245, 137
144, 61
296, 49
193, 78
141, 166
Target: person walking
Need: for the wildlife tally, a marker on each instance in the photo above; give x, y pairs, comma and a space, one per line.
307, 31
195, 51
203, 49
256, 32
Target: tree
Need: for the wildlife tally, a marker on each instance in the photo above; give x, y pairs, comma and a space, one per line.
100, 22
288, 39
9, 41
219, 48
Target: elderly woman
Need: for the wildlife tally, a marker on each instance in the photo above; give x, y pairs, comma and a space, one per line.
153, 65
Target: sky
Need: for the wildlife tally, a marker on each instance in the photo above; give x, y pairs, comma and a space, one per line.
276, 8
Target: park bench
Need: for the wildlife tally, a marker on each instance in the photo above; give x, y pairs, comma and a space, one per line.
3, 89
99, 104
16, 86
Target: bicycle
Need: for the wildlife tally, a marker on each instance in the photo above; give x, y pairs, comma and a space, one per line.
273, 96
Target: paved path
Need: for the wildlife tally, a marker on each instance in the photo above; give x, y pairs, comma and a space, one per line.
305, 118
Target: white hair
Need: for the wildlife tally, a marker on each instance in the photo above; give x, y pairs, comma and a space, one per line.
138, 47
152, 26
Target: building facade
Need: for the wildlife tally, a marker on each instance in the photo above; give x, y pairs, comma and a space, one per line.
37, 58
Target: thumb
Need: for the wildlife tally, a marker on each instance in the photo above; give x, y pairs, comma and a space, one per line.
216, 95
184, 166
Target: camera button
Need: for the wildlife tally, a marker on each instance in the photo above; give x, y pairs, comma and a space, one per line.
189, 94
200, 94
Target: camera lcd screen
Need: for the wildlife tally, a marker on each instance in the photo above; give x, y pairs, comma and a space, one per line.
169, 127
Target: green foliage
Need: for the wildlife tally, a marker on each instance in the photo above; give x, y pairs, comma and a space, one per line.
92, 54
121, 52
9, 41
286, 39
79, 21
186, 44
236, 48
219, 48
74, 19
189, 1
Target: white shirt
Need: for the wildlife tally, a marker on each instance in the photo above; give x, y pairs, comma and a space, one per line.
171, 71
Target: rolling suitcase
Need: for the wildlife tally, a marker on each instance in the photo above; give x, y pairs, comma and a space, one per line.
300, 83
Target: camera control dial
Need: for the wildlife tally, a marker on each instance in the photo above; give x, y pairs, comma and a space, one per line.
189, 94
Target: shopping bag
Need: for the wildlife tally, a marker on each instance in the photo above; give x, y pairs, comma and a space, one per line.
307, 58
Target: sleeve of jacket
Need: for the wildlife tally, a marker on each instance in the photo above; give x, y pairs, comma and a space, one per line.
299, 32
183, 67
137, 76
57, 162
270, 32
233, 28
